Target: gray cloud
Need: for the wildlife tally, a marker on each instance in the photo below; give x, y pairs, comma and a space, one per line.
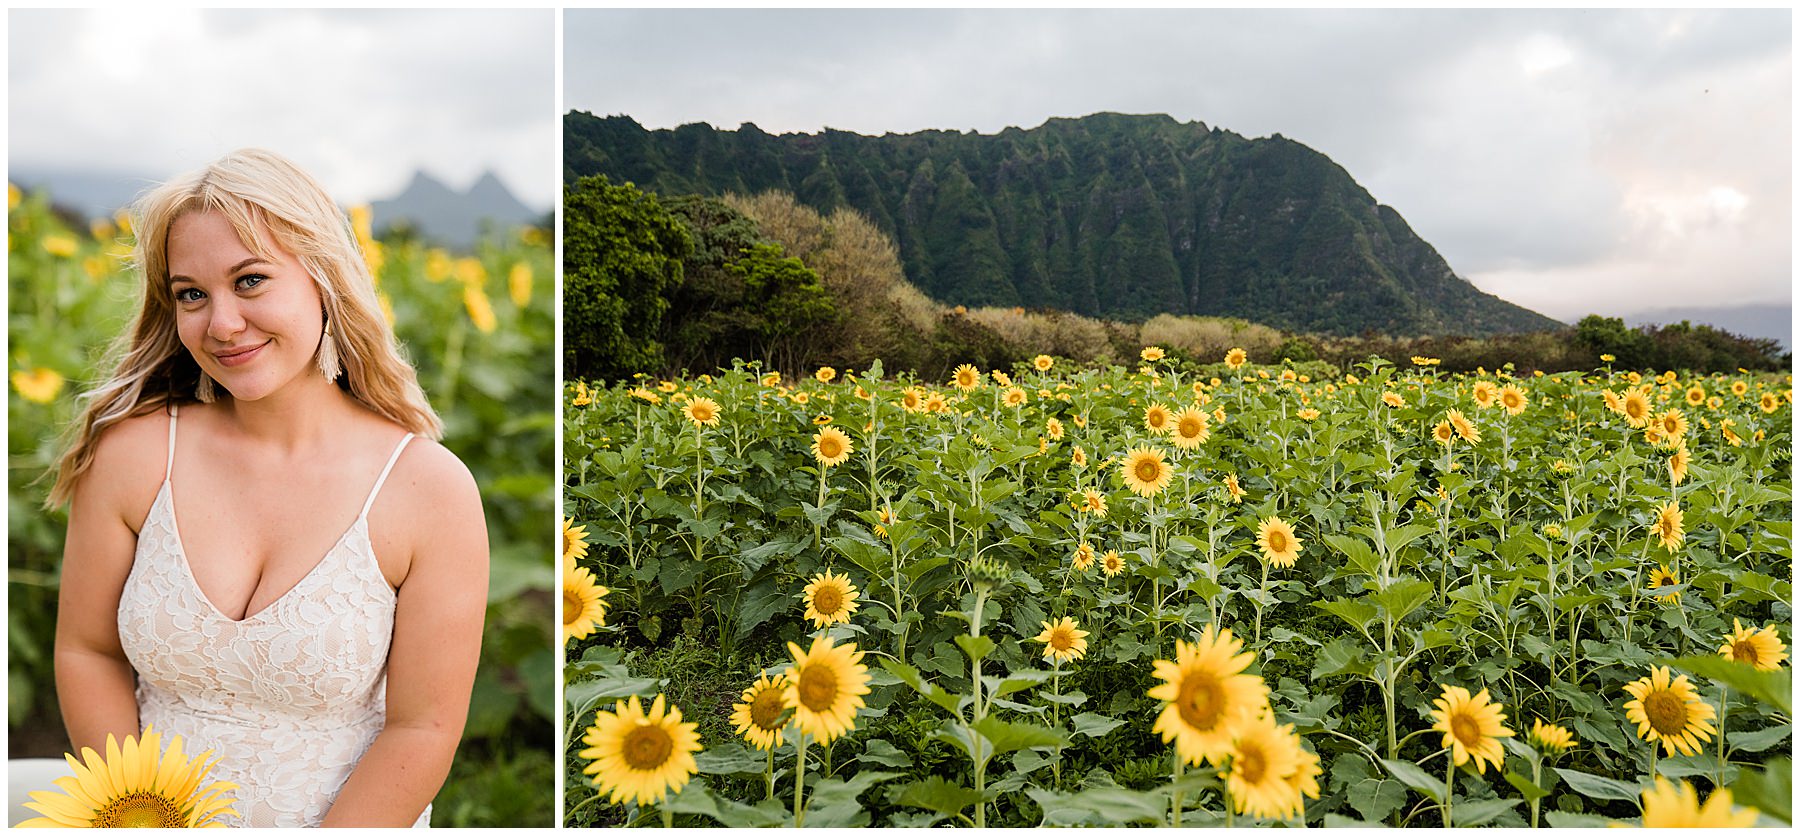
1572, 161
362, 98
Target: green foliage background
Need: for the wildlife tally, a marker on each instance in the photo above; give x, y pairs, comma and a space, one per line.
1108, 215
70, 295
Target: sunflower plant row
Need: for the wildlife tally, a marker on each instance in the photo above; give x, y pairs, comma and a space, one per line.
1101, 596
479, 329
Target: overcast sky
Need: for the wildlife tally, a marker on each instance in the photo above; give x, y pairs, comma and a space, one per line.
1571, 162
361, 99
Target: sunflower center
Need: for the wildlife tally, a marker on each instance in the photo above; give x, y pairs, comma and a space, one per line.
1744, 651
1667, 712
1201, 701
1061, 640
1666, 580
647, 747
1148, 470
1465, 729
569, 541
140, 809
1252, 763
702, 413
827, 600
765, 709
818, 687
1278, 542
573, 607
1190, 428
830, 448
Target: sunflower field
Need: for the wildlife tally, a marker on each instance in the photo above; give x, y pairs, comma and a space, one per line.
1180, 595
480, 330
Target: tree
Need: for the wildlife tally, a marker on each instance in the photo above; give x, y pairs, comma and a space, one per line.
621, 251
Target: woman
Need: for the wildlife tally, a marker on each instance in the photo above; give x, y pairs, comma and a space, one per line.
260, 416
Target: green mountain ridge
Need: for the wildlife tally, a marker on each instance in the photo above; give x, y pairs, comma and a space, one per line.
1109, 215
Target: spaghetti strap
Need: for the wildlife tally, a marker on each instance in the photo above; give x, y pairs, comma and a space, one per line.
370, 503
169, 469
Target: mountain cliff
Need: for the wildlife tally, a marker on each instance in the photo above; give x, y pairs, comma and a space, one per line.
1108, 215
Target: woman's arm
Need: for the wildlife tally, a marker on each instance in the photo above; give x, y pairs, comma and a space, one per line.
437, 642
95, 684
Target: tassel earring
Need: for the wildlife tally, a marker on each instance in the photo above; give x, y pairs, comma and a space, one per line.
329, 365
205, 390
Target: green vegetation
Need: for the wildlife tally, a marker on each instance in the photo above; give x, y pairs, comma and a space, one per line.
1108, 216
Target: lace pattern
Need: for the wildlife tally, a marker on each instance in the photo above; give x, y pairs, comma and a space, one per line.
288, 698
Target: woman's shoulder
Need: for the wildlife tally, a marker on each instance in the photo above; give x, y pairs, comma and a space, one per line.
130, 459
434, 480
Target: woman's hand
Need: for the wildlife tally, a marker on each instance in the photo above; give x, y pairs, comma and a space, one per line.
433, 502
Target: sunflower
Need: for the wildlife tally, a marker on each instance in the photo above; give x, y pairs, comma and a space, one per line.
1670, 711
1207, 696
761, 712
1264, 759
1636, 408
934, 402
1485, 393
1043, 362
1078, 457
830, 599
801, 398
831, 447
1665, 805
138, 784
1443, 433
771, 380
1730, 437
1305, 779
1759, 648
1063, 640
1054, 429
702, 411
1393, 399
1668, 526
1278, 543
1307, 414
1145, 472
1235, 358
1191, 428
1678, 464
1463, 426
1696, 395
1660, 577
1769, 402
1157, 418
1151, 354
1672, 423
1231, 487
966, 377
1084, 557
912, 400
1613, 401
1425, 361
825, 374
1550, 739
821, 420
582, 607
1739, 387
1472, 727
638, 756
1112, 564
828, 682
1513, 399
1014, 397
574, 540
1093, 502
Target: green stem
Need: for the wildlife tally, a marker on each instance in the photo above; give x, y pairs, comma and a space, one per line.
1719, 768
769, 771
1175, 802
668, 818
1449, 787
800, 783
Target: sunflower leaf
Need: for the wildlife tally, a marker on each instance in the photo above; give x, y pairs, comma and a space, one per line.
977, 647
1412, 775
1774, 688
1099, 805
730, 758
1090, 724
1598, 787
910, 675
1473, 813
1768, 790
935, 794
696, 799
1525, 787
1007, 737
833, 802
1760, 740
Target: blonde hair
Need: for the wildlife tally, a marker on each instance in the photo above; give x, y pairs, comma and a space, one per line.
258, 192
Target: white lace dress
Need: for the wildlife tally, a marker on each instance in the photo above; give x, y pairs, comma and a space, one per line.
288, 697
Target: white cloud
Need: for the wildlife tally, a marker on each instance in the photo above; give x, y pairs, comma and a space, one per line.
361, 98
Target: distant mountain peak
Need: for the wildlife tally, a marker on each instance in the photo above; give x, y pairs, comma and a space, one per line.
451, 217
1112, 215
